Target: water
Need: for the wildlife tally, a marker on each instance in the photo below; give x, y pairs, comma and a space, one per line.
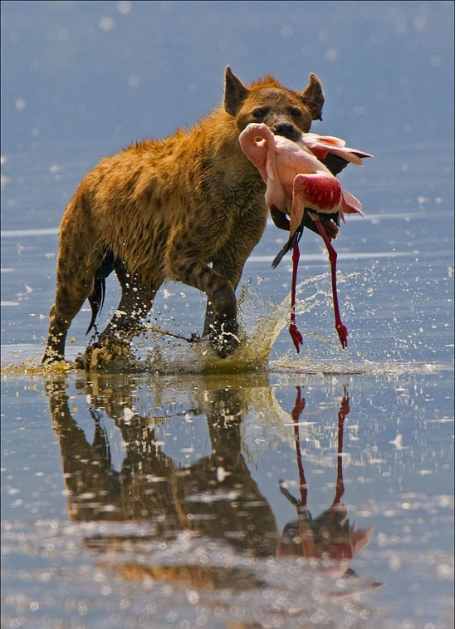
271, 489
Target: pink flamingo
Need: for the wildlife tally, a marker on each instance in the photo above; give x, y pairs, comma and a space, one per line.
300, 185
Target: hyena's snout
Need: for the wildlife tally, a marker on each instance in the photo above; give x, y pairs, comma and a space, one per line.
287, 130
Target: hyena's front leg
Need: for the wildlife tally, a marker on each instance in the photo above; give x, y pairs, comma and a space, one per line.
230, 260
230, 270
222, 331
220, 323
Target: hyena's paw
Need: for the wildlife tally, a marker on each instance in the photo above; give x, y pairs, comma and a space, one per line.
224, 338
51, 357
105, 356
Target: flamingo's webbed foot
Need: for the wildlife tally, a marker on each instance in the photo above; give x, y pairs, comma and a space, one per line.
296, 336
343, 334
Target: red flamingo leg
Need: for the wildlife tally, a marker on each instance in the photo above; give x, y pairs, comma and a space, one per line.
296, 414
295, 334
340, 327
343, 414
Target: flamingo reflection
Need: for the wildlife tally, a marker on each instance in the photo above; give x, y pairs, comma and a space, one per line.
330, 538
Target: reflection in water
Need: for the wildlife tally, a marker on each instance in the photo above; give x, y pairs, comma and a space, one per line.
330, 537
213, 498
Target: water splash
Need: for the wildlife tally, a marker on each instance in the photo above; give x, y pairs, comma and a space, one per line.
262, 322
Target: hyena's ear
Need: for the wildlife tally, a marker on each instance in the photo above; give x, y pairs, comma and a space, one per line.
235, 93
313, 98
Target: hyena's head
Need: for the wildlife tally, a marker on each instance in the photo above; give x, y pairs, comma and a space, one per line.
284, 111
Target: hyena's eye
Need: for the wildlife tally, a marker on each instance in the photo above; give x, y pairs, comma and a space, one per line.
295, 112
260, 112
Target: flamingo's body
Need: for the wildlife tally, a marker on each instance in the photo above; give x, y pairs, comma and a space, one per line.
297, 181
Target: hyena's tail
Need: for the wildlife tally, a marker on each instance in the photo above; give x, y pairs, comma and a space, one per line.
97, 296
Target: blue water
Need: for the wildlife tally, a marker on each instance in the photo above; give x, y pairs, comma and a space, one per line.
153, 499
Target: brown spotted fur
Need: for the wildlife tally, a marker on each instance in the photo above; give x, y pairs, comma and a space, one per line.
188, 208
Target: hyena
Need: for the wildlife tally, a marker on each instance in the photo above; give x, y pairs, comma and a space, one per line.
189, 208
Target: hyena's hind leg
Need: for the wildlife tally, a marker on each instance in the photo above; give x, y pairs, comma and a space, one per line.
135, 302
75, 281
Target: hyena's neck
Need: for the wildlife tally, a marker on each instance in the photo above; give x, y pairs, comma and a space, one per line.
221, 132
229, 164
207, 159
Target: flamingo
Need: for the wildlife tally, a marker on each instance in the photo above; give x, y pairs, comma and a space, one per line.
299, 184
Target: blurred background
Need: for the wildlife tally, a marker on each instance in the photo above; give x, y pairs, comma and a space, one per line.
81, 80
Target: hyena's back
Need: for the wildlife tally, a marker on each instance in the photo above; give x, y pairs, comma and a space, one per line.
142, 201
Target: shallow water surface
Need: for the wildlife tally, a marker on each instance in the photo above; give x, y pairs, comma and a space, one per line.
271, 489
215, 500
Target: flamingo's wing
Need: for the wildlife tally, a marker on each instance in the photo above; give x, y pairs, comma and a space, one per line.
334, 163
332, 151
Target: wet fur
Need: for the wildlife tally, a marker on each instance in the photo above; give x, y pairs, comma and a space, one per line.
188, 208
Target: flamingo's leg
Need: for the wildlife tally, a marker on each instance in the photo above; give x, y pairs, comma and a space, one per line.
296, 414
342, 416
340, 327
295, 334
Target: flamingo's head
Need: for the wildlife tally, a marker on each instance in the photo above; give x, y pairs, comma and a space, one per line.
257, 143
